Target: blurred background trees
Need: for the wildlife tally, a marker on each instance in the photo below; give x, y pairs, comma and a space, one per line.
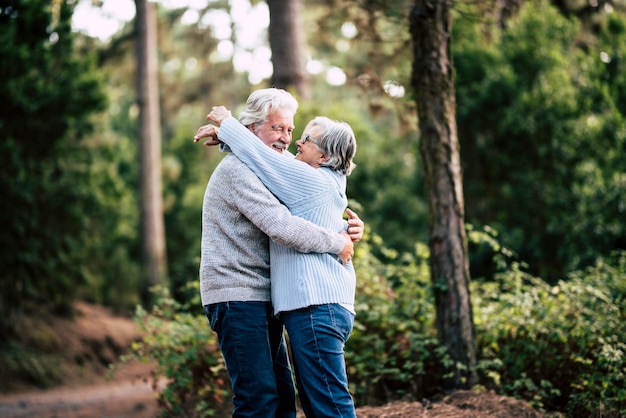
541, 120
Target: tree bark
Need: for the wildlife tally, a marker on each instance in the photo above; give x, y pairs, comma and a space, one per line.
152, 224
433, 84
288, 43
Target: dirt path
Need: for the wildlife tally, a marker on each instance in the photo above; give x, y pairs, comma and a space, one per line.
129, 399
126, 395
86, 345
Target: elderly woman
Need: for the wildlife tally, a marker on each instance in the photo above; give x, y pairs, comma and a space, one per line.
313, 293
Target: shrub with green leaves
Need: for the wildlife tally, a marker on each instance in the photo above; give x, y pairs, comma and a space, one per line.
559, 347
393, 352
184, 348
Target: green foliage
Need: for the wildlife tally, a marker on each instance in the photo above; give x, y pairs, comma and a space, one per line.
38, 368
113, 280
559, 347
602, 384
187, 355
540, 115
45, 181
542, 130
393, 352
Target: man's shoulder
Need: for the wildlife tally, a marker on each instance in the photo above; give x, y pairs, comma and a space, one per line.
236, 173
231, 163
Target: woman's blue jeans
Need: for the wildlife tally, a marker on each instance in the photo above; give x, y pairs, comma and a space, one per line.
317, 335
252, 342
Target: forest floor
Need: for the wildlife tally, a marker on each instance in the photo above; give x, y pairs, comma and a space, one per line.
96, 338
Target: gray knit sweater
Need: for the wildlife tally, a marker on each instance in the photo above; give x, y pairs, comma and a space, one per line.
238, 215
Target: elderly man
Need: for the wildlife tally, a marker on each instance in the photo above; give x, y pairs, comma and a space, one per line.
239, 217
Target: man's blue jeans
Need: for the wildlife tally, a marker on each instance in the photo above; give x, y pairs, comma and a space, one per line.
317, 335
253, 346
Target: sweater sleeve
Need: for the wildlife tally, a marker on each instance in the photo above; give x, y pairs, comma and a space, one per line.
264, 210
289, 179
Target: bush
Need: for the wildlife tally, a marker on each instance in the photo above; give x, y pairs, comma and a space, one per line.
393, 352
559, 347
187, 355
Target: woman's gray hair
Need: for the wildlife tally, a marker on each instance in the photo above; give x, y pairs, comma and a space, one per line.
261, 103
337, 141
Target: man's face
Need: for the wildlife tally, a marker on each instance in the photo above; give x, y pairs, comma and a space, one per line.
276, 131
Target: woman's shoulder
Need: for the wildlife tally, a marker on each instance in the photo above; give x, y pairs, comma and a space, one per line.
335, 175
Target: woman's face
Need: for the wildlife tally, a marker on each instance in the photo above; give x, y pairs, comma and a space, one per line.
309, 150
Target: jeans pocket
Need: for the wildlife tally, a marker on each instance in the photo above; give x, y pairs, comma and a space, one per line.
212, 314
342, 320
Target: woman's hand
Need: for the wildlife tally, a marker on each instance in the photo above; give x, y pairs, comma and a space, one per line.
355, 226
218, 114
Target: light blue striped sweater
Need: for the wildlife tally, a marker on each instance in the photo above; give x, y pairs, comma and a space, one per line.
238, 215
318, 195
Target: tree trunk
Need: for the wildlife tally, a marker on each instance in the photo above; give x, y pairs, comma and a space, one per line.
288, 44
152, 224
433, 84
